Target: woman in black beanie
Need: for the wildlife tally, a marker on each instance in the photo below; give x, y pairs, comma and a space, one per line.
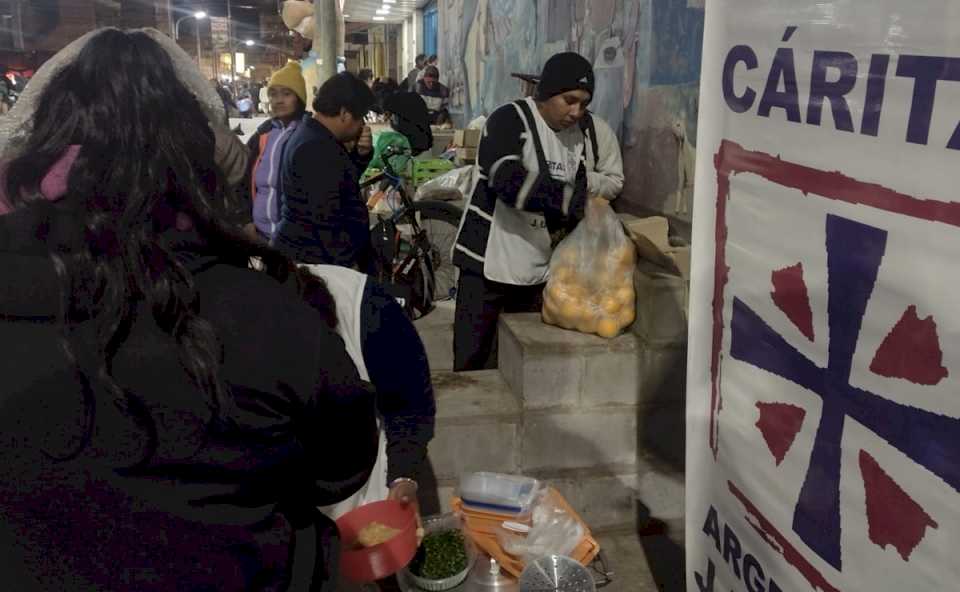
532, 181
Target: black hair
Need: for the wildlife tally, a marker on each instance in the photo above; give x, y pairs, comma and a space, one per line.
432, 58
344, 91
420, 59
366, 74
410, 117
383, 89
431, 71
137, 170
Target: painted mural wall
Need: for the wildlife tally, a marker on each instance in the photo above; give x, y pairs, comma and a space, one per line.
646, 55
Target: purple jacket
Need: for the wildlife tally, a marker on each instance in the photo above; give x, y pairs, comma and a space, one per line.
266, 174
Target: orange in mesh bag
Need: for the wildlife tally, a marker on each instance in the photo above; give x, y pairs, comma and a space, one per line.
591, 276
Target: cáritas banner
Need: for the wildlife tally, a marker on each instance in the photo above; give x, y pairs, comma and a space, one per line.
823, 439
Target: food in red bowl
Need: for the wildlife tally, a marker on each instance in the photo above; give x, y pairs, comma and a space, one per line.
378, 539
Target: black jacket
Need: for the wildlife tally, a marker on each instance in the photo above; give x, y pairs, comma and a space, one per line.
160, 499
323, 219
400, 373
515, 170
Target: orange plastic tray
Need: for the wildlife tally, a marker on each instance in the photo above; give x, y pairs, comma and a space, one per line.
481, 527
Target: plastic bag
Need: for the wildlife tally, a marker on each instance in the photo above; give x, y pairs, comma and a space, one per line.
553, 532
298, 16
477, 123
384, 202
591, 276
450, 186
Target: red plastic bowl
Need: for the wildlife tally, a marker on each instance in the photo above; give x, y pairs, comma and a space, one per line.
375, 563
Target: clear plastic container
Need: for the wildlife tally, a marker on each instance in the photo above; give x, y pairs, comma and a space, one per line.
498, 493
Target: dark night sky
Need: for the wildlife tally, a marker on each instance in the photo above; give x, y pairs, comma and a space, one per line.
245, 13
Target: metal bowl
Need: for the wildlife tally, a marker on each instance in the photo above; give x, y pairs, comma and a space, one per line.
438, 524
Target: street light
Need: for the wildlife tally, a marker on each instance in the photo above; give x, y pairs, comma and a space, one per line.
199, 16
249, 42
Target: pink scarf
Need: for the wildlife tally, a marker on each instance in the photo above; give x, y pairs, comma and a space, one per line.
54, 186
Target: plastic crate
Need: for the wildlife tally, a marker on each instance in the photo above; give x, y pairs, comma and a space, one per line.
424, 170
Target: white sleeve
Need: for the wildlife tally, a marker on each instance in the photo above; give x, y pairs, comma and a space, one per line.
607, 180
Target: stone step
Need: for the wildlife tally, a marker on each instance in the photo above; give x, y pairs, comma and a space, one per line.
590, 455
609, 499
642, 564
478, 424
602, 420
662, 301
436, 332
548, 367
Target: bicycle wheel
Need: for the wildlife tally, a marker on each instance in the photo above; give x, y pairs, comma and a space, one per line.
440, 221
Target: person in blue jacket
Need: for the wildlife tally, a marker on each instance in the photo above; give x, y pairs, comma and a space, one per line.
322, 216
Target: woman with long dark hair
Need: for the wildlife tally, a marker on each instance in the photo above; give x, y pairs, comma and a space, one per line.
170, 418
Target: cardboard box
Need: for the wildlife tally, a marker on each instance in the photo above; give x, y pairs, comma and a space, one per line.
442, 140
469, 138
654, 251
655, 228
466, 156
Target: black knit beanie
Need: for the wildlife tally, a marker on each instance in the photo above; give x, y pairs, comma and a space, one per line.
565, 72
411, 119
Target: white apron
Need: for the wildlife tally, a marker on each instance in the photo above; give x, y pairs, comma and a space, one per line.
346, 286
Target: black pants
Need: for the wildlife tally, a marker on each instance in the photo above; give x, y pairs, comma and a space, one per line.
479, 304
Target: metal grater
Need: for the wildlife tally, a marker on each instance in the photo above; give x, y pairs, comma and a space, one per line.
556, 573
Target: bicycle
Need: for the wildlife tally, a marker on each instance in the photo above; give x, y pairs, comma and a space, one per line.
414, 242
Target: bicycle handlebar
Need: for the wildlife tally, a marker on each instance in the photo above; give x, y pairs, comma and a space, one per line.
390, 152
373, 180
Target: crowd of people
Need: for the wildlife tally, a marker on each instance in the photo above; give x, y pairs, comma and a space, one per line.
205, 375
249, 100
11, 85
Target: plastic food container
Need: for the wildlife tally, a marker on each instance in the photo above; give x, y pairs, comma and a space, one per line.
383, 560
482, 529
440, 524
498, 493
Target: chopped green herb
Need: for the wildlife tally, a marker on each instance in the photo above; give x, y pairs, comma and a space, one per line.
442, 555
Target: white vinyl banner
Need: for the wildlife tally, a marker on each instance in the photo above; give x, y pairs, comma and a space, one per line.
823, 439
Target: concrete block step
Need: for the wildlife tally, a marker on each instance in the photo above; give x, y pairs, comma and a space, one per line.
548, 367
598, 456
463, 397
662, 301
478, 424
579, 439
614, 497
642, 564
436, 332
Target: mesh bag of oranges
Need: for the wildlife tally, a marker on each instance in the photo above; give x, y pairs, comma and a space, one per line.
591, 276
